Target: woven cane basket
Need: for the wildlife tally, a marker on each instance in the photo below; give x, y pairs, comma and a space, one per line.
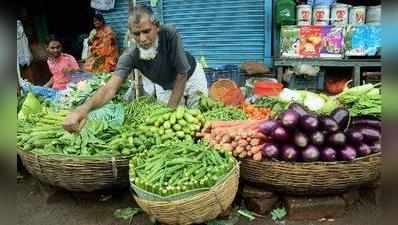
196, 209
77, 173
312, 178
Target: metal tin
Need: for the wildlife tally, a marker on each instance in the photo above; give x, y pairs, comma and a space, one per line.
339, 15
373, 15
304, 15
321, 15
357, 15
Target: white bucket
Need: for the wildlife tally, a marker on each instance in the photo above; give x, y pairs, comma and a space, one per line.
321, 15
304, 15
357, 15
339, 14
373, 14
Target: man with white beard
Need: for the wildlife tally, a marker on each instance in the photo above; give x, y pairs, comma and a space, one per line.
170, 73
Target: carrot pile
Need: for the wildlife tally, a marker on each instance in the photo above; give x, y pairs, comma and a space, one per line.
241, 138
256, 113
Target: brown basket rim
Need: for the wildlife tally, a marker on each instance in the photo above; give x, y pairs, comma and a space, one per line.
75, 158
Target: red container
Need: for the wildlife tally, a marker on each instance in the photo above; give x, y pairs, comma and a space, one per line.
267, 88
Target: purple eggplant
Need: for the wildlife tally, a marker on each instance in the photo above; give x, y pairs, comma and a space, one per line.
370, 135
341, 116
348, 153
280, 134
309, 123
299, 109
328, 154
317, 138
289, 118
375, 147
300, 139
337, 139
329, 124
310, 154
369, 123
268, 126
363, 150
289, 153
270, 151
354, 136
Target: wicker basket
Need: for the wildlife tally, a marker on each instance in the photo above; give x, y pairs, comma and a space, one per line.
316, 178
77, 174
199, 208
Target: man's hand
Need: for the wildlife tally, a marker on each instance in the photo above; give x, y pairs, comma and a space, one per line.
68, 70
178, 90
75, 121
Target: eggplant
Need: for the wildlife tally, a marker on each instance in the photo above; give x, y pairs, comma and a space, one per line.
270, 151
337, 139
363, 150
317, 138
375, 147
348, 153
341, 116
370, 135
280, 134
300, 139
369, 123
289, 118
329, 124
310, 154
354, 136
268, 126
289, 153
328, 154
309, 123
299, 109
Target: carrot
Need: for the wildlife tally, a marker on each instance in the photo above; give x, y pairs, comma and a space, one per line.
249, 153
239, 149
256, 149
254, 141
227, 147
242, 143
243, 155
258, 156
226, 139
248, 147
234, 144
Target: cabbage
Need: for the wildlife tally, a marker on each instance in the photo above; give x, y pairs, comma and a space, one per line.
313, 101
30, 106
288, 95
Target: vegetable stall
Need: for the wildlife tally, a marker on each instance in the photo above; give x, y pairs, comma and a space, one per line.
188, 161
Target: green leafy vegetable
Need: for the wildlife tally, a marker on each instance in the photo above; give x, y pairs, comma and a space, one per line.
126, 213
278, 214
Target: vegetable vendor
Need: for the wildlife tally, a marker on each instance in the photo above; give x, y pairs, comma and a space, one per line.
171, 74
61, 65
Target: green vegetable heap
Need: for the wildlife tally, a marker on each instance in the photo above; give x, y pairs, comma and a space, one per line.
213, 110
167, 124
178, 167
362, 100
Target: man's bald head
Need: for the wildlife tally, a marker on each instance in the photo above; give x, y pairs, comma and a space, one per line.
139, 13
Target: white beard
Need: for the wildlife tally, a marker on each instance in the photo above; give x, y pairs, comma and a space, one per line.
150, 53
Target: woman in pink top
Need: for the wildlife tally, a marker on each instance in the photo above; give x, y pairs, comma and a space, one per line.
60, 65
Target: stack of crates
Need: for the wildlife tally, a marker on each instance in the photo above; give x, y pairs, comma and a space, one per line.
305, 82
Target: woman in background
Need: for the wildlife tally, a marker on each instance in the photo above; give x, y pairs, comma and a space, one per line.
103, 51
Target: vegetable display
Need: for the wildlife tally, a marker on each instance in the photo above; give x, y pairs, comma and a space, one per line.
255, 112
241, 138
45, 135
215, 110
167, 124
300, 135
169, 169
137, 111
364, 100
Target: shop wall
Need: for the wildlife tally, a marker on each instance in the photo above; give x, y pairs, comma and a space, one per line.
223, 31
